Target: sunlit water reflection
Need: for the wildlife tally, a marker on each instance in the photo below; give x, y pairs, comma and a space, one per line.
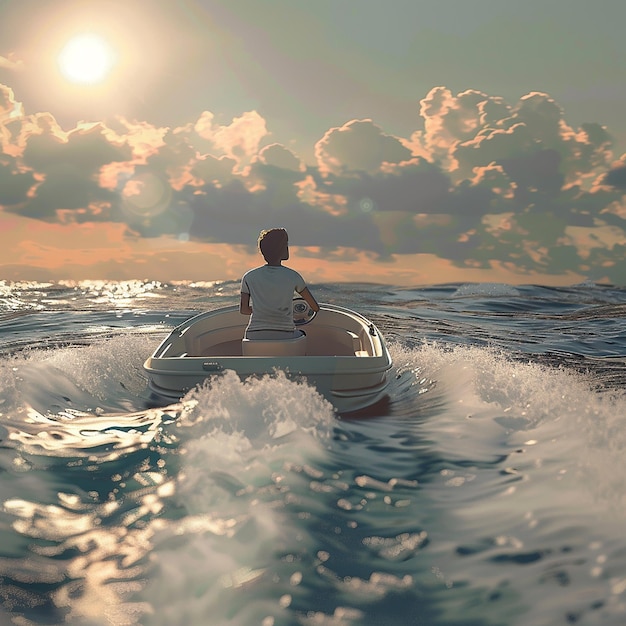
487, 490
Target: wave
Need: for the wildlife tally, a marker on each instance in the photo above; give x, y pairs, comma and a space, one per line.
253, 501
463, 382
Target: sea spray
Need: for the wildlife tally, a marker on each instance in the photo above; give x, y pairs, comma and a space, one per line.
244, 450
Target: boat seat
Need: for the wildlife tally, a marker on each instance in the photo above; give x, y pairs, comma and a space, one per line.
274, 347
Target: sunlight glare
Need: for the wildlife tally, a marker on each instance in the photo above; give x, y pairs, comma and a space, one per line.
86, 59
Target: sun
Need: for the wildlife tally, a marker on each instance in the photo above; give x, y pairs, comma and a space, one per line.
86, 59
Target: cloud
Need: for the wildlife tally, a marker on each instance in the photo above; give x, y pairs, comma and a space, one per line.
9, 107
85, 149
415, 186
276, 155
358, 146
11, 62
480, 183
239, 140
450, 119
65, 167
616, 177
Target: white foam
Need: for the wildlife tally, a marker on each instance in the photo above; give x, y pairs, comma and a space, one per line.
493, 405
241, 444
105, 376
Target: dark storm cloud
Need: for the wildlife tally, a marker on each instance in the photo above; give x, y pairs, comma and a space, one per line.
482, 181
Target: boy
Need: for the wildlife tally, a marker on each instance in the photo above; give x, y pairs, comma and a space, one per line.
271, 287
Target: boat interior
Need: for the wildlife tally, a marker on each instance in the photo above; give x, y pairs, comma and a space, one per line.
324, 337
319, 341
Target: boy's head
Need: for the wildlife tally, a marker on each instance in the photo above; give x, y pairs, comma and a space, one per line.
274, 245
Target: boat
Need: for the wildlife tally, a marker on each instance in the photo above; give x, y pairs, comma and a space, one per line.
341, 353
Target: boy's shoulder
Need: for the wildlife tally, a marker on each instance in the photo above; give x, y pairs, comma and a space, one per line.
291, 271
271, 270
253, 270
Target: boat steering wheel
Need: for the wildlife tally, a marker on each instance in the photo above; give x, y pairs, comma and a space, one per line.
302, 312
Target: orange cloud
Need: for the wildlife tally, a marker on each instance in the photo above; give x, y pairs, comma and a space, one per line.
485, 187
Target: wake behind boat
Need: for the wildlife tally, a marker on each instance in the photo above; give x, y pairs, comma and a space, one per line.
343, 355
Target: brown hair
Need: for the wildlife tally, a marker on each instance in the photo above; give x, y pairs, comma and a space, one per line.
272, 243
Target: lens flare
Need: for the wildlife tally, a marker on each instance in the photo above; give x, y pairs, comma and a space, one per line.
146, 195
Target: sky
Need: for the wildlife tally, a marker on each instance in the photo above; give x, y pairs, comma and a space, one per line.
406, 142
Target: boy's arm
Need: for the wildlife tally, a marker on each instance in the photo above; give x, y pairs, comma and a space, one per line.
310, 300
244, 304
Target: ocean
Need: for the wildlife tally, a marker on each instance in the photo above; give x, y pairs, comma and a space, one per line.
489, 489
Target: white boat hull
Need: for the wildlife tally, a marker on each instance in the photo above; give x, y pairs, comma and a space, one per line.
346, 357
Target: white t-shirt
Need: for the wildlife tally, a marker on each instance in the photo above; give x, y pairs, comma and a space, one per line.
271, 289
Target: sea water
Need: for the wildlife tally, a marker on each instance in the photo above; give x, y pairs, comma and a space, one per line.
489, 489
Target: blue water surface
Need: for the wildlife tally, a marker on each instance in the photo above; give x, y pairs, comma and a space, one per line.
487, 490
